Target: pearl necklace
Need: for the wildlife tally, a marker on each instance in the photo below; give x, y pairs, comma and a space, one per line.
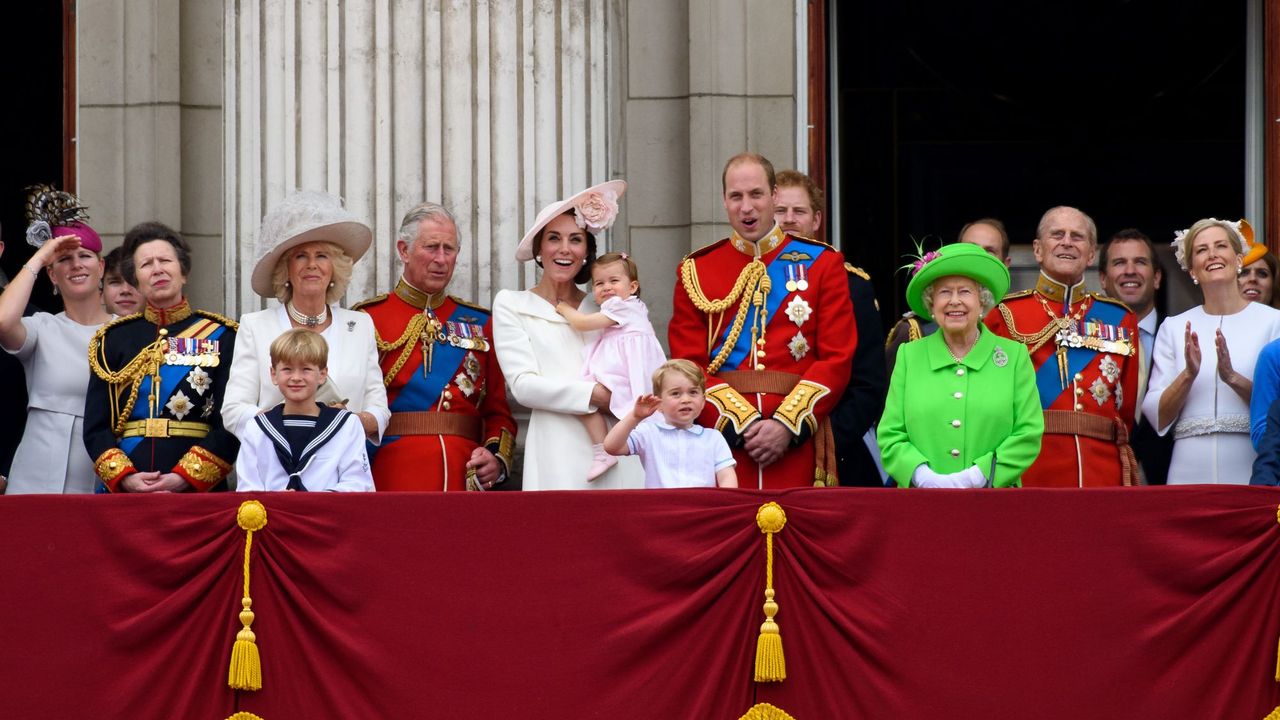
307, 320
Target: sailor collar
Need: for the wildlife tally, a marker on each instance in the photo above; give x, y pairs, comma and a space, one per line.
1058, 292
418, 298
167, 316
761, 247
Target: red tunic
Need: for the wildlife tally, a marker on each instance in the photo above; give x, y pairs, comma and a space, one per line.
464, 380
1101, 381
807, 332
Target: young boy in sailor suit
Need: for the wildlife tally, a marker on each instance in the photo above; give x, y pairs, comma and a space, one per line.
301, 444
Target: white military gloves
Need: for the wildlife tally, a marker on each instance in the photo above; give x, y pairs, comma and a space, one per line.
970, 477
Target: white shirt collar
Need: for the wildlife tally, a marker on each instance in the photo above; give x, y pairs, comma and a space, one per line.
662, 423
1149, 323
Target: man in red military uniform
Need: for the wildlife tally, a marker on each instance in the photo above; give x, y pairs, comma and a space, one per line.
450, 427
768, 317
1084, 348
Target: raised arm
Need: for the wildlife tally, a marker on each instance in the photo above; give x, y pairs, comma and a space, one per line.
13, 334
584, 322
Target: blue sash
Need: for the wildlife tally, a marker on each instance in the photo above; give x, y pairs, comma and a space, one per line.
1048, 382
422, 392
778, 292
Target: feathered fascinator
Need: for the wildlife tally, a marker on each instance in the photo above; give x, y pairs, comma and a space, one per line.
52, 212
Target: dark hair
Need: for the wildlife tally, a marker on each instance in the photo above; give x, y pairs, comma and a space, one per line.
111, 263
795, 178
748, 157
993, 222
584, 273
146, 232
1127, 235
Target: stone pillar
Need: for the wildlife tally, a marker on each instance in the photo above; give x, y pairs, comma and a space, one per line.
149, 137
705, 80
493, 108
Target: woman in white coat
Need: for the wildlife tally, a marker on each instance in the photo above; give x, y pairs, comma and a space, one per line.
306, 248
541, 355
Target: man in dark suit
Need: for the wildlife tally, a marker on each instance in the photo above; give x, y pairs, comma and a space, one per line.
1128, 271
798, 211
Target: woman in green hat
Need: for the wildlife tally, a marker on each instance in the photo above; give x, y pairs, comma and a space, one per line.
963, 410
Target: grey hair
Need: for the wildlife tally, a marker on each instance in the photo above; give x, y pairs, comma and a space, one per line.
1042, 229
986, 300
426, 211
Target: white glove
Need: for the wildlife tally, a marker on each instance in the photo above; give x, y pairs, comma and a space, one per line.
970, 477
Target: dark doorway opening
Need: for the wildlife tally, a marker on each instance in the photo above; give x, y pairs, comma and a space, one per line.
31, 128
1133, 111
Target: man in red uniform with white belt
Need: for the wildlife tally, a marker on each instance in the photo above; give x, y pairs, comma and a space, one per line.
1084, 348
450, 427
768, 318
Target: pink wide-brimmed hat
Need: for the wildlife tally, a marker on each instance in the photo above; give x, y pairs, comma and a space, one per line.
594, 208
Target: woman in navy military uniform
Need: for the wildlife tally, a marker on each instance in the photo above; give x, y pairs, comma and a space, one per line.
152, 414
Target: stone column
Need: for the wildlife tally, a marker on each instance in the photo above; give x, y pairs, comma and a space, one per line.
493, 108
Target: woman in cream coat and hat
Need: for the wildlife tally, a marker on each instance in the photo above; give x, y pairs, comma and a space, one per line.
306, 248
541, 355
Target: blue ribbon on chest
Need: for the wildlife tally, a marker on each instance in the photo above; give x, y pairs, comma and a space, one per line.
1048, 382
423, 390
777, 269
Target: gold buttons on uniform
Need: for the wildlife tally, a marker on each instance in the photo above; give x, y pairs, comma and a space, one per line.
448, 395
1079, 391
1079, 406
1079, 377
444, 405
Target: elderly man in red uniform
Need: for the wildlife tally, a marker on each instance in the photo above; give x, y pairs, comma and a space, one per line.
1084, 348
768, 317
451, 427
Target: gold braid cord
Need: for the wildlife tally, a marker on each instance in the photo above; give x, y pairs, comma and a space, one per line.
147, 362
749, 280
1035, 341
412, 330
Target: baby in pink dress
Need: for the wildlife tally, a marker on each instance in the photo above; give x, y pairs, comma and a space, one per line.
625, 353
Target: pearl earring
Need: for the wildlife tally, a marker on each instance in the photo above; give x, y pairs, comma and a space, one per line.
537, 259
1239, 268
1195, 280
288, 284
331, 283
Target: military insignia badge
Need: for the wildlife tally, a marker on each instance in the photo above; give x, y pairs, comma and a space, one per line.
1110, 370
1119, 397
207, 410
799, 310
795, 256
1100, 391
797, 276
464, 384
798, 346
1001, 358
471, 364
179, 404
199, 380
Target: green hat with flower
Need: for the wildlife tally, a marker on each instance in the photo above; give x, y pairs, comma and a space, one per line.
965, 259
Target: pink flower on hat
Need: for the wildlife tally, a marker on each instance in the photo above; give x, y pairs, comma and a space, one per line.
596, 211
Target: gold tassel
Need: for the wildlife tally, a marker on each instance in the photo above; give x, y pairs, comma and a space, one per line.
245, 672
765, 711
1275, 715
771, 666
244, 716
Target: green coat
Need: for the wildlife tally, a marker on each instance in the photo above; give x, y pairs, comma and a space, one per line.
952, 416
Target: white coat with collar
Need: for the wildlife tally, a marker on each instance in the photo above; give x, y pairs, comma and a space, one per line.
353, 366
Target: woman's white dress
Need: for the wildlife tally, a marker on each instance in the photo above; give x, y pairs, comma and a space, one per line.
1211, 434
354, 373
541, 357
52, 457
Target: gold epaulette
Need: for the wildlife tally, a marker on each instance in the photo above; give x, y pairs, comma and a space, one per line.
914, 332
370, 301
471, 305
704, 249
1099, 297
815, 241
852, 270
1018, 294
220, 318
